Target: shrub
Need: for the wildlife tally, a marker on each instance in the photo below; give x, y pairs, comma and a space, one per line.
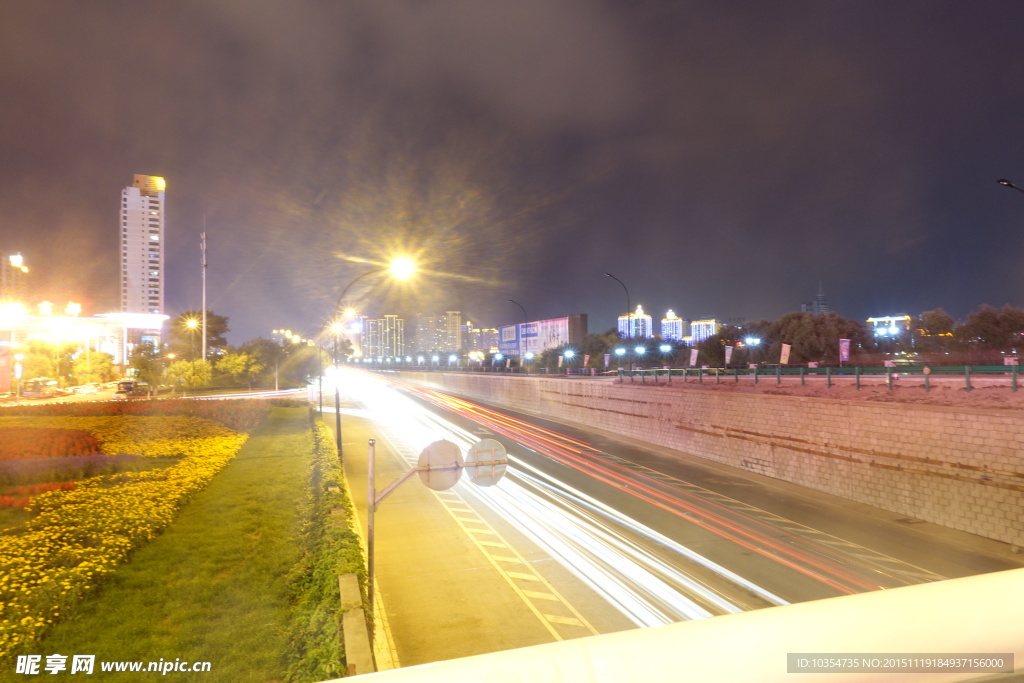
328, 550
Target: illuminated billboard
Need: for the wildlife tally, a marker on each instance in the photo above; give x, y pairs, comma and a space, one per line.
541, 335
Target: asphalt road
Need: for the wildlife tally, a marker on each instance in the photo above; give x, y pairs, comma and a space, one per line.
595, 534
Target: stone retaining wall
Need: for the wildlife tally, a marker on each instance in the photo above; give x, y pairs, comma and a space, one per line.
958, 467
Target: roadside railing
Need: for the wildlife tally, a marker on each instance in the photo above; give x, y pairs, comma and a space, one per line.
1008, 375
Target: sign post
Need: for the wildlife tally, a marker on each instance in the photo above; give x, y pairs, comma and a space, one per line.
439, 467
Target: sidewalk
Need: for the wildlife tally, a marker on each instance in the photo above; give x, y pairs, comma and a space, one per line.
443, 598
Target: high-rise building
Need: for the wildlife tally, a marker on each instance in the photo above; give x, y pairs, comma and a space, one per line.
673, 328
453, 327
383, 337
13, 279
430, 333
392, 336
817, 307
142, 245
636, 325
703, 329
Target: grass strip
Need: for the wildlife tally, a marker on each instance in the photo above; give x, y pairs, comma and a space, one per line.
213, 587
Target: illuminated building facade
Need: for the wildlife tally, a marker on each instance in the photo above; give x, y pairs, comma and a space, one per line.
673, 328
142, 246
440, 332
540, 335
453, 329
636, 325
383, 337
704, 329
889, 325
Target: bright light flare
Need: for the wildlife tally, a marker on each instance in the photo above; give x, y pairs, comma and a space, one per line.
402, 268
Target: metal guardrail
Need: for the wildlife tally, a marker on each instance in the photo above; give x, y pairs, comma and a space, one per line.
830, 375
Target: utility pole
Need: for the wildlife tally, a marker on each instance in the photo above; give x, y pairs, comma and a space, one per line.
202, 248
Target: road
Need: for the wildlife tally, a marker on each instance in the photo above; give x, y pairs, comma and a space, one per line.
596, 534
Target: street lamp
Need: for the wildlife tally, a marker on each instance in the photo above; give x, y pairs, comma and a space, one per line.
639, 351
400, 269
1007, 183
629, 309
752, 342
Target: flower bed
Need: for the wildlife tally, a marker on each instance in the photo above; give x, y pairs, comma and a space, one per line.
21, 496
78, 536
27, 443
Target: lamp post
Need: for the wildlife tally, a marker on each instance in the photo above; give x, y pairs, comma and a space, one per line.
400, 268
629, 309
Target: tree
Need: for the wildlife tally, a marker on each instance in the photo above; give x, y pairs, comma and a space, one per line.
990, 330
148, 363
191, 374
93, 366
933, 331
184, 334
812, 337
240, 366
712, 349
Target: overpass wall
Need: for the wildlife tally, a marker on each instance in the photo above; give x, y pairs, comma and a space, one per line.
957, 467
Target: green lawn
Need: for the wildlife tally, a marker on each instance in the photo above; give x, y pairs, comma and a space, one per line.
213, 586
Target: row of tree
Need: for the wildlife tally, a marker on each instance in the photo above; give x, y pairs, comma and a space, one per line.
257, 362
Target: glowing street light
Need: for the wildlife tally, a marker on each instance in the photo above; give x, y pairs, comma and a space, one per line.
400, 269
753, 342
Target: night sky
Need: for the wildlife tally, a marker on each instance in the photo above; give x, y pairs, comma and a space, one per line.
719, 158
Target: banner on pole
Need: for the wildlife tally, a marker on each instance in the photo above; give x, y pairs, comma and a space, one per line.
784, 357
844, 350
586, 360
728, 354
693, 356
607, 359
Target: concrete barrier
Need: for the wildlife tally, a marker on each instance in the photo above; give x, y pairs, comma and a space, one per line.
358, 653
955, 626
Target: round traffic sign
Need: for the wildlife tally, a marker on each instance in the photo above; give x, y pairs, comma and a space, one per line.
440, 465
486, 462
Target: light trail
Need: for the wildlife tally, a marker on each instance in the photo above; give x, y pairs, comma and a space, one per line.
844, 572
590, 539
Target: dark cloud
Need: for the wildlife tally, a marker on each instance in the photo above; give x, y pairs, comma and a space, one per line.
721, 159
